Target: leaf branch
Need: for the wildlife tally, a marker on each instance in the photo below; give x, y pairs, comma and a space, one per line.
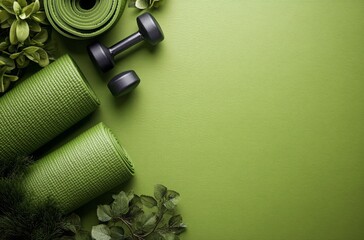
140, 216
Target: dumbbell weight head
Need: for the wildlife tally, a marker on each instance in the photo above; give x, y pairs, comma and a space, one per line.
150, 29
101, 56
123, 83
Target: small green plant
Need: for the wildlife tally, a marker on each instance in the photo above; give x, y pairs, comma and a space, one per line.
24, 38
144, 4
133, 217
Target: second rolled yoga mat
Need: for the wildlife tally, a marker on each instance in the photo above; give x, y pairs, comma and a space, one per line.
79, 171
81, 19
43, 106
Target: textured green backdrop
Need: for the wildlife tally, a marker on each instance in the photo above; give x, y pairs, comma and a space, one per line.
252, 110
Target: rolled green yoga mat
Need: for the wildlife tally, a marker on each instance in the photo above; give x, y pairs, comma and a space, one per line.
81, 19
43, 106
79, 171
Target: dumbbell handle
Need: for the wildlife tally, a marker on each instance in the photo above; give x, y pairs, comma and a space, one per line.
126, 43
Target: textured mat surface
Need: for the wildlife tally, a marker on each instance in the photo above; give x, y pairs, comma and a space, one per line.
81, 170
43, 106
80, 19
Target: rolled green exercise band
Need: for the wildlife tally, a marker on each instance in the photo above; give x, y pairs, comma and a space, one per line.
82, 19
43, 106
79, 171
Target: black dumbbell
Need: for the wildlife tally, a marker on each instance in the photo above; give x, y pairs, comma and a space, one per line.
149, 30
123, 83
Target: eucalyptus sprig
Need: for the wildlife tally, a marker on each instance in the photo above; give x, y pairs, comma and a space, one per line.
144, 4
133, 217
24, 38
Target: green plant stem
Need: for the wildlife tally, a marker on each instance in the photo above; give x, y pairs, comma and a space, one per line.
7, 53
136, 236
128, 225
156, 225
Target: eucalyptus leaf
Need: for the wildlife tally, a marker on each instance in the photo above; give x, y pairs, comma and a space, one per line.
37, 54
141, 4
39, 17
40, 38
22, 3
135, 206
150, 222
172, 199
31, 49
3, 46
169, 205
5, 25
22, 61
101, 232
29, 10
4, 15
135, 210
4, 82
36, 6
148, 201
155, 236
130, 195
15, 55
173, 196
22, 30
175, 221
104, 213
159, 191
26, 11
43, 58
117, 233
13, 48
170, 236
7, 5
17, 8
178, 230
136, 201
34, 26
8, 62
120, 205
131, 3
72, 223
146, 222
12, 35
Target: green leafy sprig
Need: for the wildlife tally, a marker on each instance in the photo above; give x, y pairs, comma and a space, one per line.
133, 217
144, 4
24, 38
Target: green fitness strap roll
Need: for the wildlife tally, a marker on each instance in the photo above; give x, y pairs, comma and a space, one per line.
82, 169
82, 19
43, 106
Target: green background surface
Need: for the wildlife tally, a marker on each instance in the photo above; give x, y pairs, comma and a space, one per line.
252, 110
